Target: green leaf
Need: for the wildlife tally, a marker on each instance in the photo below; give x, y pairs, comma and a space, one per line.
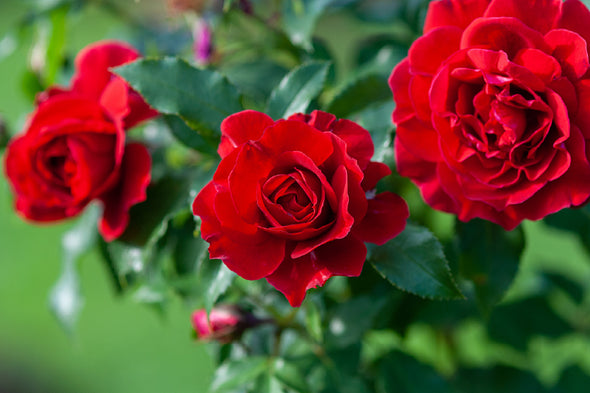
503, 379
165, 198
345, 327
358, 94
382, 53
489, 257
574, 290
187, 136
290, 376
202, 98
313, 321
414, 262
221, 281
404, 374
300, 18
576, 221
572, 380
55, 52
65, 299
267, 383
238, 373
518, 322
297, 89
256, 78
377, 120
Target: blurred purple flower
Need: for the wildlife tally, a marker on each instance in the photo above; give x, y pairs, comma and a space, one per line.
203, 44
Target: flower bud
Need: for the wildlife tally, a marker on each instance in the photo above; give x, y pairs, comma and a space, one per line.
223, 324
203, 44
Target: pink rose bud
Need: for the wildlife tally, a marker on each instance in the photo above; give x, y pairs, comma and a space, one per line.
224, 323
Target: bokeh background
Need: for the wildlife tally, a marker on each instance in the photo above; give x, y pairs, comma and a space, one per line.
119, 345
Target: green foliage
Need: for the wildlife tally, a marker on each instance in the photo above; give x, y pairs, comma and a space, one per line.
358, 94
202, 98
489, 258
235, 374
297, 89
402, 373
414, 261
300, 18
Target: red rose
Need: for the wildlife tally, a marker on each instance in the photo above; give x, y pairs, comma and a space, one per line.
292, 201
492, 108
73, 150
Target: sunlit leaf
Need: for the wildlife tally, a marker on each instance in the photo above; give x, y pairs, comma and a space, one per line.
297, 89
188, 136
358, 94
202, 98
222, 279
300, 18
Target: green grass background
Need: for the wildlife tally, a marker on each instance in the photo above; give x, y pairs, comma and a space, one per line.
118, 345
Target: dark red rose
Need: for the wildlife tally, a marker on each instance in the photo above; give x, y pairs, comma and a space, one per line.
492, 108
224, 323
293, 201
73, 149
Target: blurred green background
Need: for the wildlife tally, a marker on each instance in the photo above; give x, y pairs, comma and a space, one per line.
118, 345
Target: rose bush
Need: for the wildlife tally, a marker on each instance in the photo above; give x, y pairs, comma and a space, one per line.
292, 201
73, 149
491, 108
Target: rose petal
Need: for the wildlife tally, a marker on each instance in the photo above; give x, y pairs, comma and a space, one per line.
115, 100
291, 135
506, 34
250, 260
320, 120
294, 277
93, 62
374, 172
343, 221
134, 179
571, 51
428, 52
399, 83
540, 15
241, 127
344, 257
386, 218
458, 13
358, 141
575, 17
420, 138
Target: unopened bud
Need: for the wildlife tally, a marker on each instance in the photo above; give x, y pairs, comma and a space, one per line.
223, 324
